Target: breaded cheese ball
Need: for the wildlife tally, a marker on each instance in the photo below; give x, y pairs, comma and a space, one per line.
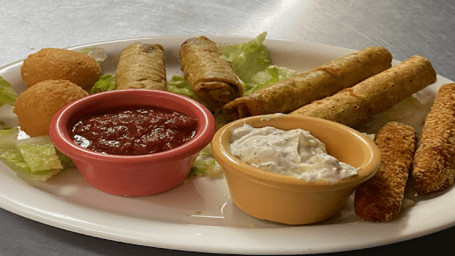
53, 63
36, 106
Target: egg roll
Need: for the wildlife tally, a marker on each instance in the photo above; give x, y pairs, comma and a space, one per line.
373, 95
212, 79
294, 92
141, 66
434, 161
380, 198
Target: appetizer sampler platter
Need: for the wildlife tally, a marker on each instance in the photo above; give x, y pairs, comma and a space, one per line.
198, 215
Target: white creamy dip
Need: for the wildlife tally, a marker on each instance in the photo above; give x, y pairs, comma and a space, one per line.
295, 153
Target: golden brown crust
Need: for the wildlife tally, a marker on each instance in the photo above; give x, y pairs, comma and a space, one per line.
380, 198
213, 80
373, 95
434, 161
36, 106
141, 66
322, 81
54, 64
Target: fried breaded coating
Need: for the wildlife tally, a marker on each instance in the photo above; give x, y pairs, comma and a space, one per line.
317, 83
54, 64
141, 66
380, 198
36, 106
373, 95
212, 78
434, 161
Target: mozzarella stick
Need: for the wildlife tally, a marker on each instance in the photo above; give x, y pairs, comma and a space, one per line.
141, 66
380, 198
434, 161
373, 95
317, 83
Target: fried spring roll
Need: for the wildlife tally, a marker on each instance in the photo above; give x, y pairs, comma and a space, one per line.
213, 80
373, 95
141, 66
434, 161
322, 81
380, 198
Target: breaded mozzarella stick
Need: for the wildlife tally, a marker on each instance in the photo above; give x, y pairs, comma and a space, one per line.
380, 198
434, 161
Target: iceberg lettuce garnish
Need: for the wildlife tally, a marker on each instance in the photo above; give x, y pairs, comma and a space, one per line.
251, 63
7, 93
106, 82
178, 84
34, 157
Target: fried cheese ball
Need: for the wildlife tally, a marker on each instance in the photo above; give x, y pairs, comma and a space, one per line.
53, 63
36, 106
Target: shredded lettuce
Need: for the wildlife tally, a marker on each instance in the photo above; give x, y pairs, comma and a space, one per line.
206, 165
39, 154
251, 63
178, 84
14, 160
7, 93
106, 82
8, 136
272, 74
247, 59
3, 127
95, 52
34, 157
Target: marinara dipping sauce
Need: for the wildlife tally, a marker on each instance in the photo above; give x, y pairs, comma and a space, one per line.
134, 131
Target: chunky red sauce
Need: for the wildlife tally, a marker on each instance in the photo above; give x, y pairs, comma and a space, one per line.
134, 131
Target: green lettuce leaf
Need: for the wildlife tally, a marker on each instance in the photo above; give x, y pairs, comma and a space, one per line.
7, 93
206, 165
105, 83
272, 74
251, 63
13, 159
39, 154
95, 52
34, 157
178, 84
247, 59
8, 137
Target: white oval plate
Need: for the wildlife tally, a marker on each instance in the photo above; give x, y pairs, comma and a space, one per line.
199, 215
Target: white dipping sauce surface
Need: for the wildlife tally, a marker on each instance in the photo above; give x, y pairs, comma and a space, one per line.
295, 153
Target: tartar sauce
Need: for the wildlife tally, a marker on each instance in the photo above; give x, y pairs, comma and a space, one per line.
295, 153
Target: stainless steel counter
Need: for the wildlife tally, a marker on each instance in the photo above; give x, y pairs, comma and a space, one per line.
406, 27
